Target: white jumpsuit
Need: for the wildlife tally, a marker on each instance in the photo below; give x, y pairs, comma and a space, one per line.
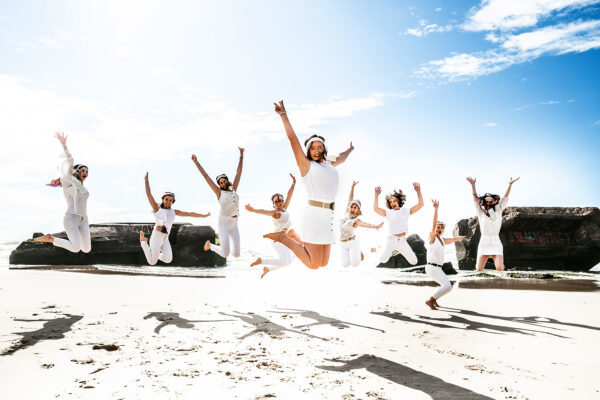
349, 244
435, 255
159, 247
284, 255
398, 223
228, 224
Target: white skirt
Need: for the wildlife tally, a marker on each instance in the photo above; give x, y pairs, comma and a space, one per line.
490, 246
317, 225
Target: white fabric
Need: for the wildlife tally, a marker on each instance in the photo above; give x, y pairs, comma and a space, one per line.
75, 193
283, 222
78, 233
490, 244
397, 220
317, 225
435, 253
228, 230
347, 227
164, 217
321, 182
284, 257
440, 277
230, 204
315, 139
401, 245
158, 249
350, 253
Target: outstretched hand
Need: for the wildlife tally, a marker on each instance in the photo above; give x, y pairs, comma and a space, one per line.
354, 183
293, 179
146, 177
241, 151
62, 138
378, 190
471, 180
279, 108
513, 180
379, 226
351, 148
436, 203
417, 187
194, 158
249, 208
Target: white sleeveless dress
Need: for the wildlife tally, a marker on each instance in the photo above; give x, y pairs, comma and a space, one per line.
321, 184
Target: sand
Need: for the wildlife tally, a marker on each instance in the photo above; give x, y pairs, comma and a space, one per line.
298, 333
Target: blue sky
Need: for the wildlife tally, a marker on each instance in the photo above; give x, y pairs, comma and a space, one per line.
428, 91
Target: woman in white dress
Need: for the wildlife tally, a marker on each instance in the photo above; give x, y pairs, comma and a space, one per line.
489, 212
435, 258
397, 218
349, 243
229, 201
159, 247
75, 221
282, 222
320, 179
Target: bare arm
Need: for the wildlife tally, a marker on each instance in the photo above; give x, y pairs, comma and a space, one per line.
419, 205
472, 182
376, 202
510, 183
436, 204
366, 225
212, 185
343, 156
452, 240
301, 160
351, 196
67, 167
238, 174
151, 200
290, 192
191, 214
268, 213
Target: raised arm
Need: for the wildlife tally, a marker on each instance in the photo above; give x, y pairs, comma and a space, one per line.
419, 205
342, 156
510, 185
351, 196
238, 174
67, 167
290, 192
212, 185
151, 200
269, 213
376, 202
436, 204
299, 154
472, 182
191, 214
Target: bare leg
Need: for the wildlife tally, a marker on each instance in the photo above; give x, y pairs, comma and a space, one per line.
207, 245
311, 255
46, 238
325, 254
362, 256
294, 235
258, 261
481, 262
499, 262
265, 271
142, 237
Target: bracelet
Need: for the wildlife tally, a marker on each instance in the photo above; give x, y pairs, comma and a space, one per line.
281, 113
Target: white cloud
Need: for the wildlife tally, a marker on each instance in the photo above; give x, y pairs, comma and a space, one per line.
438, 9
51, 43
491, 124
597, 123
544, 103
426, 28
513, 14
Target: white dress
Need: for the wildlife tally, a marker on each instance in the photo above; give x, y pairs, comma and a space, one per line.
490, 244
321, 184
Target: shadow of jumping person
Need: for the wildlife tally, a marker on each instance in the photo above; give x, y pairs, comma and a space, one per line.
263, 324
435, 387
321, 319
172, 318
469, 324
52, 329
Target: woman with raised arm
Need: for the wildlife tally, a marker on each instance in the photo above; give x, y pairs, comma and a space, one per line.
75, 221
229, 202
489, 212
435, 258
397, 218
349, 244
320, 180
282, 222
159, 247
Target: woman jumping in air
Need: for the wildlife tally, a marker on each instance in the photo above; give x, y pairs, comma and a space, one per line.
489, 212
320, 180
282, 222
159, 247
435, 258
75, 221
397, 218
349, 244
229, 200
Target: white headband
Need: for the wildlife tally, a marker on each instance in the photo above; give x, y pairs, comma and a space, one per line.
315, 139
357, 202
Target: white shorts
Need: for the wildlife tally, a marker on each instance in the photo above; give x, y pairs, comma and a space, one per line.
317, 225
490, 246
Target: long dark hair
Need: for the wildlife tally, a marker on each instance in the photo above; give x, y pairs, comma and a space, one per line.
398, 195
322, 139
483, 205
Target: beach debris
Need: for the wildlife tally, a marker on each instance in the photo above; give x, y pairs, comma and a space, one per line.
107, 347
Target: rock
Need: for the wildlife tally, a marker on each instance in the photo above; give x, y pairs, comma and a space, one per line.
449, 269
119, 244
538, 238
398, 261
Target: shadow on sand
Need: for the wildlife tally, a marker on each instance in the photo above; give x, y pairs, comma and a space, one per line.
172, 318
264, 325
435, 387
321, 319
52, 329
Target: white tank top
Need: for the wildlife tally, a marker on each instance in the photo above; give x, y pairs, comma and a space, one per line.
321, 182
347, 227
230, 204
283, 222
397, 220
435, 253
164, 217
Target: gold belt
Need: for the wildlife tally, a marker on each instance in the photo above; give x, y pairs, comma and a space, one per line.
347, 240
320, 204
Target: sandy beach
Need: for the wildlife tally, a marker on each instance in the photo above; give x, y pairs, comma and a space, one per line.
297, 333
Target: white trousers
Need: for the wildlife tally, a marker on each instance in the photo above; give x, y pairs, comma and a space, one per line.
78, 233
350, 252
284, 257
228, 228
400, 244
438, 275
158, 249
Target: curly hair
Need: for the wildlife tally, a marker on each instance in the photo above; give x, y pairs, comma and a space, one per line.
401, 197
482, 202
322, 139
276, 195
357, 202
